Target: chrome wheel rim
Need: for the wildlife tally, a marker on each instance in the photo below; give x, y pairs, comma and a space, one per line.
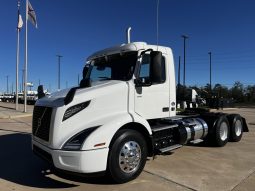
238, 128
130, 157
223, 131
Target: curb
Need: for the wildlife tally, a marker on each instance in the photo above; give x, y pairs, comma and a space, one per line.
224, 109
16, 116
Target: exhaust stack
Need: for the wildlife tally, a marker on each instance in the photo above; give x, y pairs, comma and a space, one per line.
128, 35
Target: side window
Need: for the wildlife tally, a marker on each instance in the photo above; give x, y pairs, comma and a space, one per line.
100, 73
144, 74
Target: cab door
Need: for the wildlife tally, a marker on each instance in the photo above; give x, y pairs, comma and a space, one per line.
151, 101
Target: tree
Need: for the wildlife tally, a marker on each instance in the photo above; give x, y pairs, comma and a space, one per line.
250, 93
237, 92
221, 91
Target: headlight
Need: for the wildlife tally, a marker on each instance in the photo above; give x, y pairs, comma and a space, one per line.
75, 109
77, 140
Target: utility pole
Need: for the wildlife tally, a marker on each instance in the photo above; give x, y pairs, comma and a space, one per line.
7, 89
78, 79
210, 60
179, 79
184, 58
59, 57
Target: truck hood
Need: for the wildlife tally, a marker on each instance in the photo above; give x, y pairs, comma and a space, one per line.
56, 99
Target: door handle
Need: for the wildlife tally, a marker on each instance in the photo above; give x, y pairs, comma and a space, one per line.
165, 109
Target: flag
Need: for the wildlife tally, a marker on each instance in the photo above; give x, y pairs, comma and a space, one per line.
20, 22
31, 15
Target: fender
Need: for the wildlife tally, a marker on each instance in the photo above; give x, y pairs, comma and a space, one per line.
104, 134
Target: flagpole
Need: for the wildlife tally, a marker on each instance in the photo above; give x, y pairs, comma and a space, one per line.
25, 78
17, 62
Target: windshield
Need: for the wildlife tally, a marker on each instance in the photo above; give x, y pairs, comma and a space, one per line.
113, 67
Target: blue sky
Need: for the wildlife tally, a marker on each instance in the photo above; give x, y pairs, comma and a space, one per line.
75, 29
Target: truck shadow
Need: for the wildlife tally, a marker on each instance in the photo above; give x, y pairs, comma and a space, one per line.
19, 165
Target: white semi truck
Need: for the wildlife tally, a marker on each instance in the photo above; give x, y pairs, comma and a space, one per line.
123, 112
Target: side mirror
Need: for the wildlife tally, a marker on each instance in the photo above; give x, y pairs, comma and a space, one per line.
40, 92
142, 82
85, 71
85, 82
156, 67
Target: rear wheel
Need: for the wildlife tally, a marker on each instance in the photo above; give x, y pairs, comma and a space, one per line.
236, 127
221, 132
127, 156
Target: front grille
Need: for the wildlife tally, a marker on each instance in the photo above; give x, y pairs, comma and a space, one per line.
41, 122
43, 154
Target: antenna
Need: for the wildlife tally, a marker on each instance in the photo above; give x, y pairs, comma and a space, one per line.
157, 21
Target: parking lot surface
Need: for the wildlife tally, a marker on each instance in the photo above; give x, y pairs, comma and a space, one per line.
190, 168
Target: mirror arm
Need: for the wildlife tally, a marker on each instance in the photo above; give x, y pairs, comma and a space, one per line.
148, 50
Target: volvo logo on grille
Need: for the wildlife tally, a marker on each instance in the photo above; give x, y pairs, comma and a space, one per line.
39, 122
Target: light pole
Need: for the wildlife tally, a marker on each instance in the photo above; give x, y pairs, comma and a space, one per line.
59, 57
185, 37
210, 60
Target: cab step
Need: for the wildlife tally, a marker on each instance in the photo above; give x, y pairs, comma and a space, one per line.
170, 148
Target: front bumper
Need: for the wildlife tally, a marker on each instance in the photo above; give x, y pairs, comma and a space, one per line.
90, 161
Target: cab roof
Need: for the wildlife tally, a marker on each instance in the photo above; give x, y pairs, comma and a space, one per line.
134, 46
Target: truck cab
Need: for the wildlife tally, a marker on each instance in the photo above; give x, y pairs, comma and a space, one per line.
123, 111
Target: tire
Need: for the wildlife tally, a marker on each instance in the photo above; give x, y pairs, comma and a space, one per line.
236, 127
222, 131
124, 142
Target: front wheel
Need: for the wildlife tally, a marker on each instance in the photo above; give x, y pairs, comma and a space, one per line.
127, 156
